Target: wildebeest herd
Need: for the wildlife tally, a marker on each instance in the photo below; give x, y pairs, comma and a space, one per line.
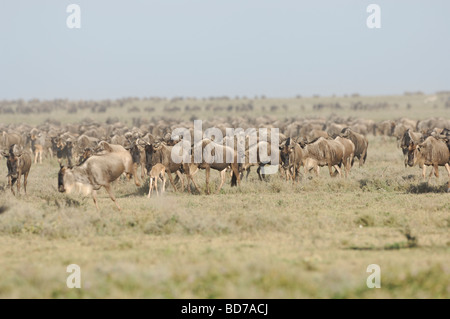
93, 155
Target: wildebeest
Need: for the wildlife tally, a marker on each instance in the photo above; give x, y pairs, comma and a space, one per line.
18, 163
127, 160
160, 153
349, 153
95, 172
432, 152
9, 139
259, 159
213, 160
63, 149
324, 152
406, 140
292, 158
361, 144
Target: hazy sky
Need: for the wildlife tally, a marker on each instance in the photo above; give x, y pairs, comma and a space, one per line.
279, 48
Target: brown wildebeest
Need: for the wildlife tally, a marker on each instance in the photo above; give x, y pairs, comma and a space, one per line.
18, 163
37, 146
130, 168
254, 150
406, 140
214, 161
95, 172
9, 139
137, 151
323, 152
292, 158
158, 152
431, 152
349, 152
361, 144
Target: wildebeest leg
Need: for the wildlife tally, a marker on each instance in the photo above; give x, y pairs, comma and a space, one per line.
171, 179
94, 197
338, 170
208, 172
222, 176
191, 177
164, 182
134, 173
156, 185
13, 180
150, 187
258, 170
235, 171
142, 171
180, 177
111, 195
447, 166
436, 171
248, 173
424, 172
25, 177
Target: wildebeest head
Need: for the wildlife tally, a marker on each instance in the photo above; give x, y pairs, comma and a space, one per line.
284, 152
135, 153
149, 151
13, 160
345, 132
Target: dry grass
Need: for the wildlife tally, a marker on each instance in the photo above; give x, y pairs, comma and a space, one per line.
262, 240
272, 239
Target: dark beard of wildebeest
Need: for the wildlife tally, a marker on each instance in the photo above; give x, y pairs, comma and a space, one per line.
284, 156
138, 158
61, 180
17, 165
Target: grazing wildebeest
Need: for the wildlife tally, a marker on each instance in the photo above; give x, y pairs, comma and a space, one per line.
95, 172
361, 144
158, 172
406, 140
324, 152
432, 152
18, 163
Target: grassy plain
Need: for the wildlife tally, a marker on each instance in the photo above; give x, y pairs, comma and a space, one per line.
270, 239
